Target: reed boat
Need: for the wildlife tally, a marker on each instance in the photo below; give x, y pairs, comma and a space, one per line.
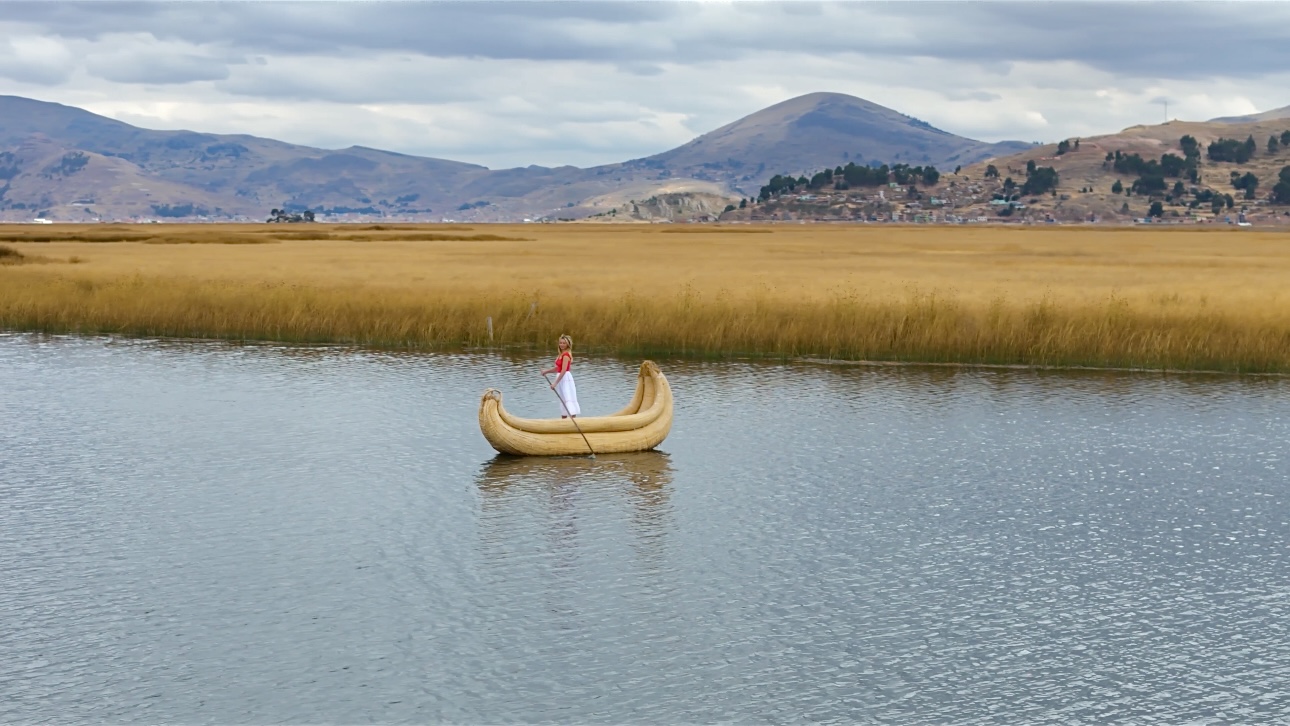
639, 426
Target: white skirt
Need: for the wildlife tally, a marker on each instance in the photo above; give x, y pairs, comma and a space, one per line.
569, 395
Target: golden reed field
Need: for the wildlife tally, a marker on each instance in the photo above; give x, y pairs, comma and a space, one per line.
1193, 299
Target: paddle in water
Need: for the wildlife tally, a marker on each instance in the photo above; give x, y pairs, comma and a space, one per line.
571, 418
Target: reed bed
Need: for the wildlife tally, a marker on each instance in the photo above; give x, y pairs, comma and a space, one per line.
920, 328
1185, 302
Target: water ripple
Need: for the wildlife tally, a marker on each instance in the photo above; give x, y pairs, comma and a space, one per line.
209, 533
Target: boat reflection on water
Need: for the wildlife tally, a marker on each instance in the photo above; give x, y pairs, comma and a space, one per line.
649, 471
572, 499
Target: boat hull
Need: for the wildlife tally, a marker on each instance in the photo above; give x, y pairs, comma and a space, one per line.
640, 426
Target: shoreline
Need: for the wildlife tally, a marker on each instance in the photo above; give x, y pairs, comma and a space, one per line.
732, 357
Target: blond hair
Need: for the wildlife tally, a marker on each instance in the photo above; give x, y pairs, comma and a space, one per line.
567, 339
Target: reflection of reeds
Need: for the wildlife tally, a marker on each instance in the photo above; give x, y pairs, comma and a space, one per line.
1120, 298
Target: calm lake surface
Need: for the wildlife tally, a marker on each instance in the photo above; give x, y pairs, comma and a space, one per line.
208, 533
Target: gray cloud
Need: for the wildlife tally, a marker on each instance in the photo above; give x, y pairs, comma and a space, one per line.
513, 83
1146, 38
156, 69
36, 60
982, 96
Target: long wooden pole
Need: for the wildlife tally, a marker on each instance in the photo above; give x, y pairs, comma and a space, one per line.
572, 418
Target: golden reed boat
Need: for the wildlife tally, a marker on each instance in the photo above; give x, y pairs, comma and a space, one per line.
640, 426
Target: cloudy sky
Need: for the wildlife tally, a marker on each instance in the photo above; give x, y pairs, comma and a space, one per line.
516, 83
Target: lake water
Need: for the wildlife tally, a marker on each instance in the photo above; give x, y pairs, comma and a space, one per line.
209, 533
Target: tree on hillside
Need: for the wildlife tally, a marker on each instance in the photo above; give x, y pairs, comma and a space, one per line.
1230, 150
1273, 144
777, 185
820, 180
1117, 187
855, 175
991, 172
1178, 189
1157, 210
1063, 147
1190, 146
1150, 184
1009, 185
1030, 167
930, 175
1172, 165
1281, 191
1250, 146
1042, 180
1285, 138
1249, 182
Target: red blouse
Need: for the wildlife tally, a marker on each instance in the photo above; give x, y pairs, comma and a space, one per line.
563, 362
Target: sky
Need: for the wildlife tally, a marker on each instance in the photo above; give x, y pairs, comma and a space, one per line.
508, 84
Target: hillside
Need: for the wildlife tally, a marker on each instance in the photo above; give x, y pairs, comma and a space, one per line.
1086, 180
1273, 115
815, 130
69, 164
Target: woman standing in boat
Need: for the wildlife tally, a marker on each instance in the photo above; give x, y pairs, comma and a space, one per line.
563, 385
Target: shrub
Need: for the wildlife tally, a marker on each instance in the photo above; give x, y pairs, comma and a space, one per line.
1249, 182
1281, 191
1190, 146
1152, 184
1231, 150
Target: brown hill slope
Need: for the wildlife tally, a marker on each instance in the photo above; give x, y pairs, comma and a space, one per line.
1088, 169
1085, 188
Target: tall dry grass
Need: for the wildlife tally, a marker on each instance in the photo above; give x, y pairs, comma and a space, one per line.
1126, 301
921, 327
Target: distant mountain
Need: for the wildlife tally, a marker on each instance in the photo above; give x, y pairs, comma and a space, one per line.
70, 164
818, 130
1273, 115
